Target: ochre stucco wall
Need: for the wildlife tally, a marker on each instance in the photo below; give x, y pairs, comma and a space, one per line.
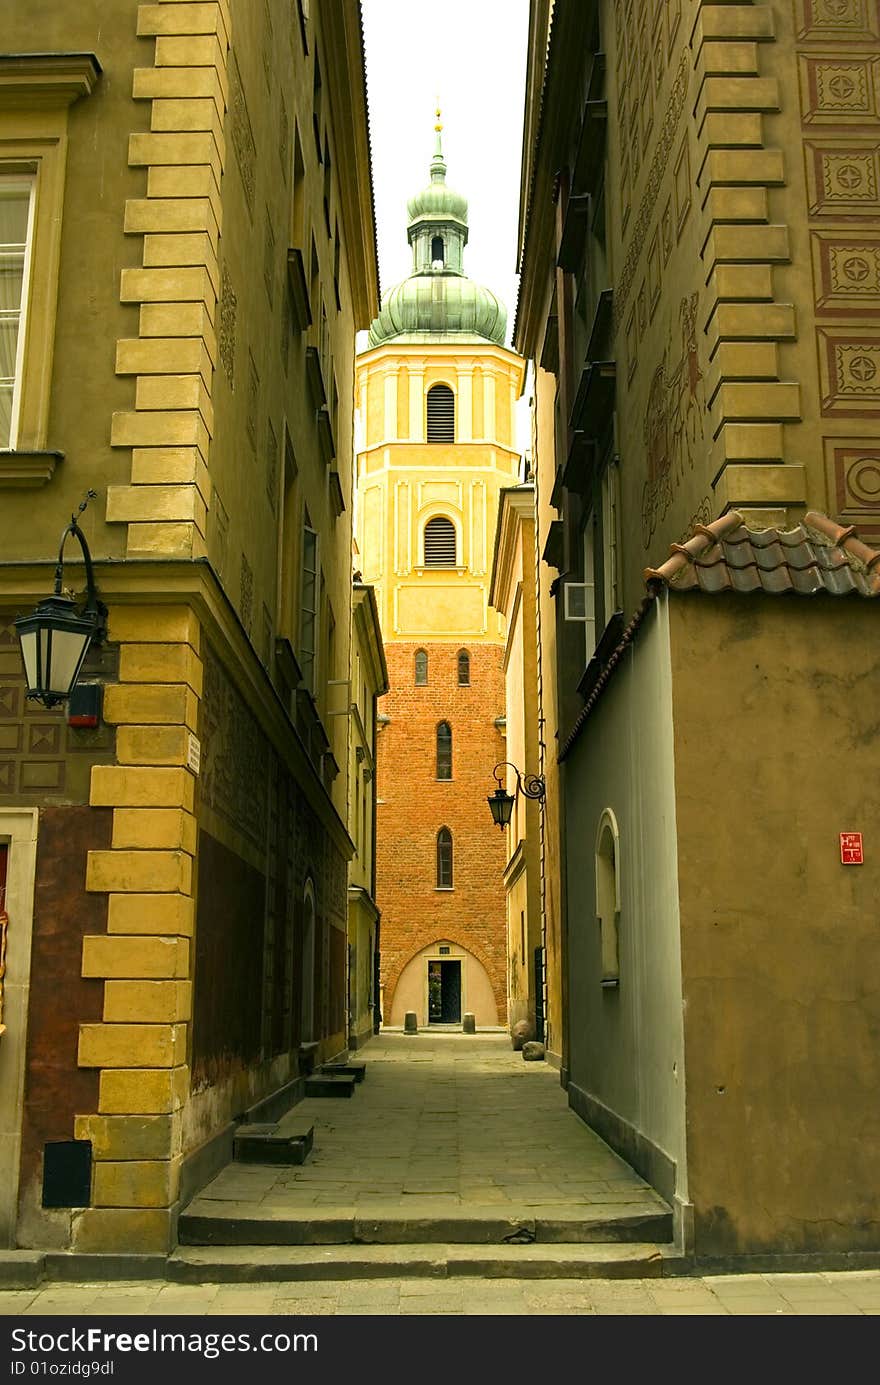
776, 753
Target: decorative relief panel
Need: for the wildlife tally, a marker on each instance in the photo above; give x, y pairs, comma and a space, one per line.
849, 370
253, 401
666, 231
682, 181
853, 471
246, 595
658, 164
226, 327
846, 272
654, 273
843, 177
837, 21
271, 465
242, 134
840, 90
673, 421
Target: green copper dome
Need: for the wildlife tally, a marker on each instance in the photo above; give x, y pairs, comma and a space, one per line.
438, 299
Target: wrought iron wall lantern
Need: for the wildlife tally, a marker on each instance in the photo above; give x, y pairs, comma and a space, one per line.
56, 638
501, 802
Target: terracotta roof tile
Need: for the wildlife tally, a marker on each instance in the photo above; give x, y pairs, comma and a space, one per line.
817, 555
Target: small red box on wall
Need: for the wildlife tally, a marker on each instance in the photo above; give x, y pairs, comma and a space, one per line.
851, 853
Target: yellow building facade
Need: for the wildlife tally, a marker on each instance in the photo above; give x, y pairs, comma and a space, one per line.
698, 293
187, 187
437, 391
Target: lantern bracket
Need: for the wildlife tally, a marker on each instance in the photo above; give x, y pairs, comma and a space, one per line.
94, 609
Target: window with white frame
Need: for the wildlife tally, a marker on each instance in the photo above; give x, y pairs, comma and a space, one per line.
589, 598
16, 231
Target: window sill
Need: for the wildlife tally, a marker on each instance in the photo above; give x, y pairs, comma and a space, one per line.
422, 568
444, 889
19, 469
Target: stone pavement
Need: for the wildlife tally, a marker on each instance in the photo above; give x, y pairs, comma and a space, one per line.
428, 1134
810, 1295
443, 1123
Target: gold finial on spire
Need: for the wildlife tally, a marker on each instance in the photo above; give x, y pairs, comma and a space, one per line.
438, 164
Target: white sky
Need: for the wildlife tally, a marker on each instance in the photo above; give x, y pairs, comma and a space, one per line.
472, 55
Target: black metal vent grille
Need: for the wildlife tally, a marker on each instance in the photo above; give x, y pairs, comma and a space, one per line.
440, 543
441, 414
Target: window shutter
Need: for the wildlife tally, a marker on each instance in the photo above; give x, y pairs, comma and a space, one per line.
441, 414
440, 542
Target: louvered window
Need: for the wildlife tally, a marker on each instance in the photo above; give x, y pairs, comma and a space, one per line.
441, 414
440, 542
444, 859
444, 750
421, 669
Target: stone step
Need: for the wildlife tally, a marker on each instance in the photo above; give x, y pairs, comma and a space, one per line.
354, 1067
330, 1084
270, 1144
210, 1222
240, 1264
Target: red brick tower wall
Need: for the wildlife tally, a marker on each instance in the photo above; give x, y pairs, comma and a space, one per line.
414, 805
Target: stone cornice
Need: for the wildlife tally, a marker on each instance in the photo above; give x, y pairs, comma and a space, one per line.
342, 54
47, 79
27, 467
366, 615
516, 504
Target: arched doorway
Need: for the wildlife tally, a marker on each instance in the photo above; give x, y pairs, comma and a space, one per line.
440, 984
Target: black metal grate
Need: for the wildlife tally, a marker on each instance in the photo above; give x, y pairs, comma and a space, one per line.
441, 414
440, 543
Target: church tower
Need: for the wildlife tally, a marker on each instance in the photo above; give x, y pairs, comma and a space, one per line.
437, 390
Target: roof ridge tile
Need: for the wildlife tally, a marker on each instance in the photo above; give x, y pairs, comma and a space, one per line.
815, 554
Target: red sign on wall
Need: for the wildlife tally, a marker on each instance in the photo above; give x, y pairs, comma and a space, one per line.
851, 853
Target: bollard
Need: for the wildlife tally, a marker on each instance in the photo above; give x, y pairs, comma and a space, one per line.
410, 1023
469, 1024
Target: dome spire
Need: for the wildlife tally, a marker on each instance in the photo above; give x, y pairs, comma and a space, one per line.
438, 299
438, 163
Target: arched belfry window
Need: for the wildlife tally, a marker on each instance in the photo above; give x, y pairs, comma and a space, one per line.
608, 896
421, 668
444, 750
437, 254
444, 859
441, 414
440, 546
464, 668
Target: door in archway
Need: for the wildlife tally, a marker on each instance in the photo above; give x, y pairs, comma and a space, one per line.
444, 992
